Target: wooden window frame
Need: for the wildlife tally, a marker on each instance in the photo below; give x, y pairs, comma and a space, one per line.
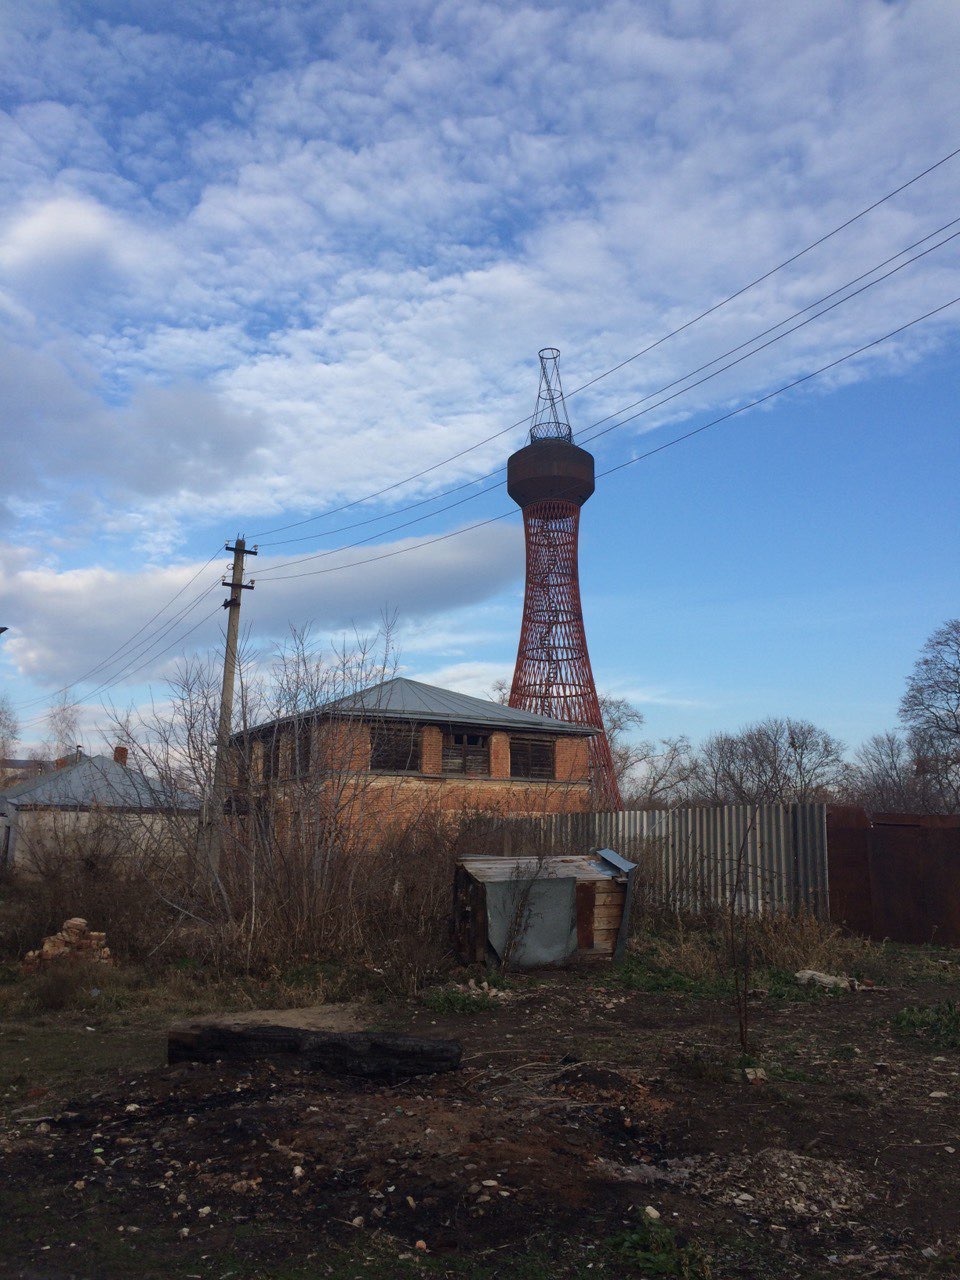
533, 757
465, 759
387, 753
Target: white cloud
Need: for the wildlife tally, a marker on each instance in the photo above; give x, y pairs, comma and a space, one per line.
64, 621
475, 678
238, 285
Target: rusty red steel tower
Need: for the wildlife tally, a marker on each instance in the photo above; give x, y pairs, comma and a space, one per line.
550, 479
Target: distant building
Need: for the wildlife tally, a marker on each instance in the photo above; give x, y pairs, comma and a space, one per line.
53, 807
14, 770
402, 746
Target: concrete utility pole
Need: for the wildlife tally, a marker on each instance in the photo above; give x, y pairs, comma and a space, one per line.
219, 792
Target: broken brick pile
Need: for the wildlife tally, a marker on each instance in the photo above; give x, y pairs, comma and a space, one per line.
75, 941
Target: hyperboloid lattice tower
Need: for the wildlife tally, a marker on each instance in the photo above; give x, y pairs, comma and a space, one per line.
550, 479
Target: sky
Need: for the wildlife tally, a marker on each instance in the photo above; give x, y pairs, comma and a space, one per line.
283, 270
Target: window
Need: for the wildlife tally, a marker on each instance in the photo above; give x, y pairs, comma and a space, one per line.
302, 742
466, 752
395, 748
531, 757
272, 748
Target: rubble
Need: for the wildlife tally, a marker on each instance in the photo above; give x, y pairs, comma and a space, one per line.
830, 981
796, 1186
75, 942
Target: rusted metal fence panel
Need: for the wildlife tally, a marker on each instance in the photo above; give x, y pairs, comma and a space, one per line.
896, 876
769, 857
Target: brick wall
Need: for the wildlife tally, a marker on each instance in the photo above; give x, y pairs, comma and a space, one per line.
499, 755
431, 758
341, 752
573, 760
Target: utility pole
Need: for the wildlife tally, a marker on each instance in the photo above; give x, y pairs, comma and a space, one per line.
219, 792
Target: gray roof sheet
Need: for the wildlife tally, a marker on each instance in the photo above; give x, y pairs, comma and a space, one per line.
97, 781
403, 699
561, 866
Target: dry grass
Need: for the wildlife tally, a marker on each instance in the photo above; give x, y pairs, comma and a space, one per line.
802, 941
373, 919
698, 950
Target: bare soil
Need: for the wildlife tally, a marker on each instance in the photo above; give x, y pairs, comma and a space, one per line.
579, 1104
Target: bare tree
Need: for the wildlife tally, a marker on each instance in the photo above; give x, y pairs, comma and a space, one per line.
931, 704
9, 727
63, 726
650, 774
775, 760
930, 708
883, 776
660, 775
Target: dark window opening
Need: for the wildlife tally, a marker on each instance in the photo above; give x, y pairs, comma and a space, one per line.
242, 758
467, 753
237, 804
302, 743
395, 748
531, 757
272, 749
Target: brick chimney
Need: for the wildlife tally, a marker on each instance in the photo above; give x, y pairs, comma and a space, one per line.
120, 756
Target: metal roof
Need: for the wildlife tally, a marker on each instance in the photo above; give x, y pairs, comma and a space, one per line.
96, 781
559, 866
403, 699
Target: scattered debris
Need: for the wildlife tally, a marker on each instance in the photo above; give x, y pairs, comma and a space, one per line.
785, 1183
483, 989
830, 981
562, 1120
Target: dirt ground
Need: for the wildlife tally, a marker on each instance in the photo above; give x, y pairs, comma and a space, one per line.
580, 1102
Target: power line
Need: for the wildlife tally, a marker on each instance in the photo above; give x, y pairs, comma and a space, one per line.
636, 356
590, 382
687, 435
480, 524
143, 648
320, 555
585, 439
126, 643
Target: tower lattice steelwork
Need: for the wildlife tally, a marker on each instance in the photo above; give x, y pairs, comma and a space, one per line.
550, 479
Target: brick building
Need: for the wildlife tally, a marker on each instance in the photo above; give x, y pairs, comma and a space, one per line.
403, 746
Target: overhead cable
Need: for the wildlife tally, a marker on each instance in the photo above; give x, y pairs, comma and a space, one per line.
687, 435
267, 572
636, 356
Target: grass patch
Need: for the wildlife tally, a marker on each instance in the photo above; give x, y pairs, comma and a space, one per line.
901, 964
641, 971
449, 1000
780, 984
656, 1250
936, 1025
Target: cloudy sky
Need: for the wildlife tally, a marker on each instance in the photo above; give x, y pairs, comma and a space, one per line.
262, 264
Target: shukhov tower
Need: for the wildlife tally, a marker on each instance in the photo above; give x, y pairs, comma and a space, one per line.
550, 479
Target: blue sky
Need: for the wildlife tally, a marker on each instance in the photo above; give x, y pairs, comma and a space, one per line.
260, 261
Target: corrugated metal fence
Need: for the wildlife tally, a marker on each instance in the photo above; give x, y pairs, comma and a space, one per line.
769, 857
